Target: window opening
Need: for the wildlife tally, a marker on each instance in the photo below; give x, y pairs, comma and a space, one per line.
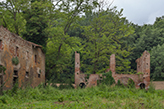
0, 44
15, 77
27, 55
35, 58
17, 49
15, 72
15, 80
27, 74
38, 75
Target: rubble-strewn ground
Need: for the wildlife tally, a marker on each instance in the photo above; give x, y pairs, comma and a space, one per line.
99, 97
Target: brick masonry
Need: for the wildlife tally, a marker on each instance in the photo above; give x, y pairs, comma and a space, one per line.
141, 79
31, 67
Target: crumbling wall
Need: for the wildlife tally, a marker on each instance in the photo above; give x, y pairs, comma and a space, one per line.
27, 72
81, 78
92, 81
143, 71
141, 79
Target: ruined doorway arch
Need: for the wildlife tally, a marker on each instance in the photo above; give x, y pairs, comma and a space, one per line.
82, 85
142, 86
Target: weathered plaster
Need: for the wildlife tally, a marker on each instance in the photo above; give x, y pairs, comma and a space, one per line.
15, 46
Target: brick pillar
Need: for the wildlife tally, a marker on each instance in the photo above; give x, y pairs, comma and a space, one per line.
77, 67
112, 64
147, 63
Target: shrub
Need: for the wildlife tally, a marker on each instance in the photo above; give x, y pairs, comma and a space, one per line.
119, 83
66, 86
107, 79
3, 100
131, 83
15, 60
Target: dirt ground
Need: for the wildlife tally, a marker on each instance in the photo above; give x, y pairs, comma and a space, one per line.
159, 85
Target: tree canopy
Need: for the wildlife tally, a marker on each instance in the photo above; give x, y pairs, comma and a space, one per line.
65, 26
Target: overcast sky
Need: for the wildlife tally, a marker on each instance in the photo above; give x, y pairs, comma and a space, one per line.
140, 11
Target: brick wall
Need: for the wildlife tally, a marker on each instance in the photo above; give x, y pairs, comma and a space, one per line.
143, 66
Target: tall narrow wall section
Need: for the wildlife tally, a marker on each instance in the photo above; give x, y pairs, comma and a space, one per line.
112, 64
77, 68
143, 63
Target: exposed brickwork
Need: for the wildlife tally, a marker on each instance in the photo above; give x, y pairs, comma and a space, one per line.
112, 64
29, 72
143, 66
92, 81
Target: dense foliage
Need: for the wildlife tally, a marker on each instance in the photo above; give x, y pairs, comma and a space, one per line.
150, 38
106, 79
65, 26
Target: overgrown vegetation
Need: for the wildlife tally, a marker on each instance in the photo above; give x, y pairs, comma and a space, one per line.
65, 26
15, 60
131, 83
96, 97
106, 79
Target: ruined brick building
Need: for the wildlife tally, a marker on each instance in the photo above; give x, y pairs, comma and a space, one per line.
30, 66
141, 79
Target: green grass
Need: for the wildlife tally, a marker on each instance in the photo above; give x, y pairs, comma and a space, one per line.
100, 97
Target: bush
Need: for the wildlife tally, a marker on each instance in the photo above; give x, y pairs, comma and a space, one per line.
131, 83
66, 86
119, 83
107, 79
15, 60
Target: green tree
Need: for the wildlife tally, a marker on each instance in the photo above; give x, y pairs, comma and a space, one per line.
146, 37
157, 62
103, 37
60, 44
11, 15
37, 17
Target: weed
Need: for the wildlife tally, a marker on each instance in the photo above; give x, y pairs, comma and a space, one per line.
102, 96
